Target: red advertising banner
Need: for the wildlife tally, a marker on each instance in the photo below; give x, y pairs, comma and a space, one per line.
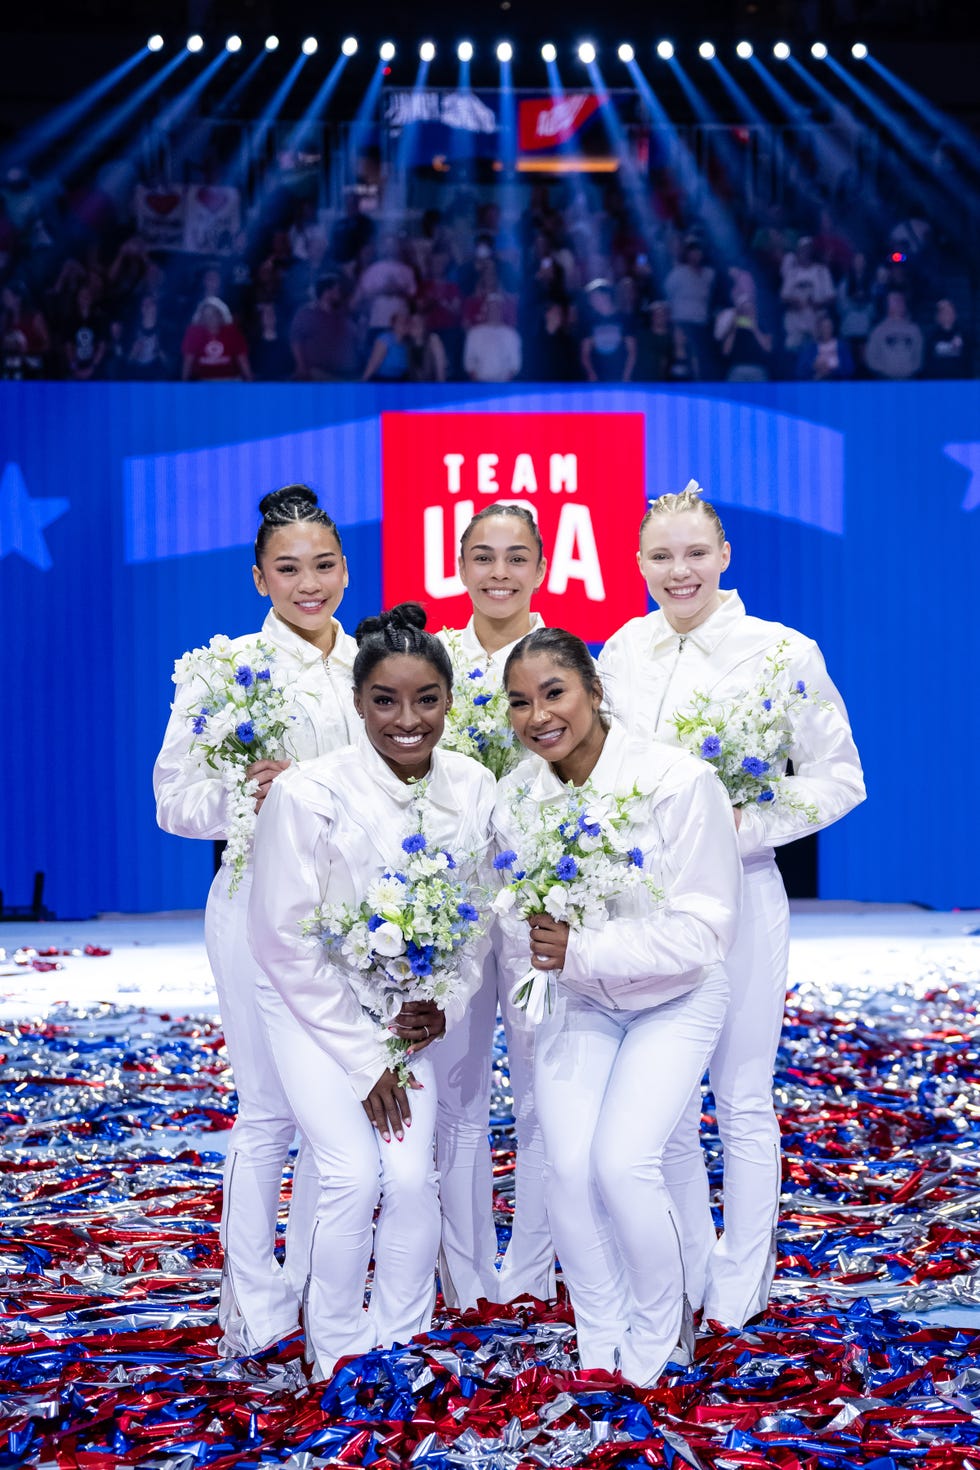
550, 122
582, 476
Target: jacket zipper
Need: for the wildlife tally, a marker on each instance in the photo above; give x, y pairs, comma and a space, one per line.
670, 679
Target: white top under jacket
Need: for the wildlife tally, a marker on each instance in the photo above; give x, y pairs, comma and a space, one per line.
645, 953
191, 800
649, 671
475, 656
328, 828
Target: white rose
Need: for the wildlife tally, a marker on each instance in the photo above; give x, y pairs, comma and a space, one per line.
388, 940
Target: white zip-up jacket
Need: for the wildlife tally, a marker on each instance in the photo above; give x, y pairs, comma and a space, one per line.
646, 953
328, 828
190, 798
649, 672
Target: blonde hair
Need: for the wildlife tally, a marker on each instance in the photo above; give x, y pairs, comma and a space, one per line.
690, 498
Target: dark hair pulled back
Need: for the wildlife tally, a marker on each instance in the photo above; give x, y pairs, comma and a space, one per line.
286, 507
402, 630
504, 508
567, 650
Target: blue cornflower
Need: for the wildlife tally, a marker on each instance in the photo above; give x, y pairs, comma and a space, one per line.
800, 687
566, 868
415, 843
766, 796
519, 873
400, 877
199, 722
636, 857
374, 922
468, 912
245, 732
505, 859
244, 676
710, 747
264, 674
475, 674
419, 956
591, 829
482, 698
767, 704
450, 860
753, 766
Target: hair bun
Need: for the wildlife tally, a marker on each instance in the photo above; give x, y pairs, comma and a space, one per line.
404, 615
365, 628
273, 505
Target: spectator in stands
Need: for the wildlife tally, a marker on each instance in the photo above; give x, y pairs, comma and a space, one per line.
683, 366
426, 354
24, 332
386, 286
807, 287
744, 348
148, 360
127, 273
895, 344
608, 347
351, 233
268, 350
552, 351
832, 246
390, 358
441, 302
487, 284
825, 357
492, 352
654, 345
213, 348
87, 340
949, 352
688, 290
855, 303
324, 337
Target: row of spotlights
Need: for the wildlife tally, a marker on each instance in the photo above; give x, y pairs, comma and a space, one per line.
586, 52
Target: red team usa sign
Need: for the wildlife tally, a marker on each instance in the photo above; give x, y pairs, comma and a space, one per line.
581, 475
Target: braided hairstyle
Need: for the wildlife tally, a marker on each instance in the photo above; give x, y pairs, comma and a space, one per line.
567, 651
690, 498
402, 630
284, 508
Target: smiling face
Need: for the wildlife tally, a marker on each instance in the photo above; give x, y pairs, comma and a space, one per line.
304, 572
555, 714
681, 560
500, 567
403, 703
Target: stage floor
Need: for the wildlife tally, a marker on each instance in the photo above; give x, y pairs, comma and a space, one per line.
117, 1107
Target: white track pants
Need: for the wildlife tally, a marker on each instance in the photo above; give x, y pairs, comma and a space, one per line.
732, 1274
463, 1064
259, 1300
354, 1166
610, 1087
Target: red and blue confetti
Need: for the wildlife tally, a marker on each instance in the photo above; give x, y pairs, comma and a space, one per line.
110, 1258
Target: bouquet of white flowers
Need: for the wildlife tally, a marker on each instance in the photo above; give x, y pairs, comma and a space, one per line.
238, 715
577, 854
747, 739
478, 723
406, 940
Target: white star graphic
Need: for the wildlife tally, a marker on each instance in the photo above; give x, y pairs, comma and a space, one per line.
22, 520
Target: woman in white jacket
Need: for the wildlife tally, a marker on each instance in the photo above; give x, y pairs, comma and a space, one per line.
702, 640
300, 566
327, 832
501, 565
639, 1003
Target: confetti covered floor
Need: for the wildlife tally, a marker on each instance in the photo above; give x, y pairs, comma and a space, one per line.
116, 1109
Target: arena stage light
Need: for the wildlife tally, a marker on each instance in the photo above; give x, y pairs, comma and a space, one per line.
309, 46
387, 51
665, 50
464, 51
233, 44
859, 51
586, 53
195, 43
427, 51
781, 51
272, 43
549, 53
505, 51
349, 47
745, 50
626, 52
818, 51
706, 51
155, 43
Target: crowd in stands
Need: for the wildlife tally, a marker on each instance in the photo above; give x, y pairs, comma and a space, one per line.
583, 285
